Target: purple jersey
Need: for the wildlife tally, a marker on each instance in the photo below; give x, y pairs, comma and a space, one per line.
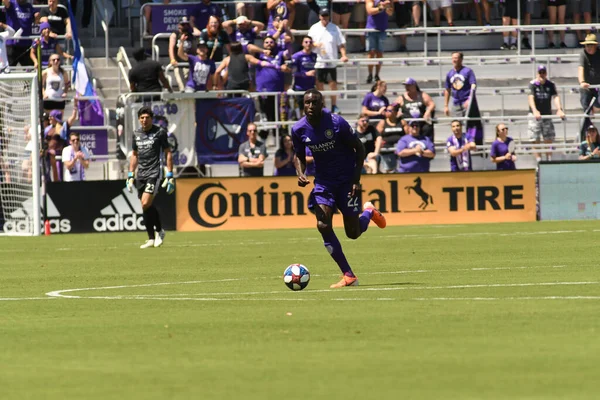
374, 103
280, 41
48, 48
414, 163
200, 71
244, 38
270, 79
303, 63
457, 143
331, 146
378, 21
459, 83
281, 11
20, 16
499, 149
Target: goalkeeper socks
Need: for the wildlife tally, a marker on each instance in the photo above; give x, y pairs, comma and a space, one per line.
149, 222
333, 246
157, 222
364, 220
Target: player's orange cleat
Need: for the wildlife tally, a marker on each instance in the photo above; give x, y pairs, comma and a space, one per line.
376, 215
346, 281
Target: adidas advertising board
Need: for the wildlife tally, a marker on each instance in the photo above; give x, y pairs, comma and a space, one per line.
20, 220
106, 206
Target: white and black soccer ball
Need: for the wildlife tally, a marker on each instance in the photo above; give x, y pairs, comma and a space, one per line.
296, 276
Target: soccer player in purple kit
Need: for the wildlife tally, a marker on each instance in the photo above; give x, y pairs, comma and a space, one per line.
338, 157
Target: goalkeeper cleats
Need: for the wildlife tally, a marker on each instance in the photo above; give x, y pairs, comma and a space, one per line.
149, 243
159, 238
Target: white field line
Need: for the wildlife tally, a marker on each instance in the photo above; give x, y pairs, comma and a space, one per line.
25, 298
208, 296
59, 293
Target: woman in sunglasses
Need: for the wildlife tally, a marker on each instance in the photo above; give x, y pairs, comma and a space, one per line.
500, 154
55, 85
48, 46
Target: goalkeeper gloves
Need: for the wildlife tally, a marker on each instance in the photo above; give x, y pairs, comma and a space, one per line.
130, 182
169, 183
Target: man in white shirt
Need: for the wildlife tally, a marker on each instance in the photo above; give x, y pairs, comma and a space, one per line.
327, 38
76, 159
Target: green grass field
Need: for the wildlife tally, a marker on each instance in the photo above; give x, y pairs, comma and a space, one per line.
506, 311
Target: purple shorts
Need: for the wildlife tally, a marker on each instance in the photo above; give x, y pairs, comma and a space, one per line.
336, 197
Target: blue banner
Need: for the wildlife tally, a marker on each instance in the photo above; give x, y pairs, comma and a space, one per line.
221, 128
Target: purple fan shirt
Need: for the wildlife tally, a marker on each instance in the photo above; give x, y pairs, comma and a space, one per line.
244, 38
270, 79
280, 41
200, 71
450, 142
414, 163
48, 48
281, 11
303, 63
20, 16
459, 83
499, 149
374, 103
378, 21
331, 146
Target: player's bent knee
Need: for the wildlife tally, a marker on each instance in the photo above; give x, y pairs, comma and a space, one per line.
353, 234
323, 226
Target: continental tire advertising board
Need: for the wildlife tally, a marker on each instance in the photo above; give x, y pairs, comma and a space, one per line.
101, 206
406, 199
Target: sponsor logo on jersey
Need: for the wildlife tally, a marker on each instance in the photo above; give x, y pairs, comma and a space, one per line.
122, 214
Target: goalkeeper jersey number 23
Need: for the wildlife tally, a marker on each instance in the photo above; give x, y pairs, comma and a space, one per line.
149, 146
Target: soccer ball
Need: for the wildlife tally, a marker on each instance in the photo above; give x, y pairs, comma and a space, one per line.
296, 276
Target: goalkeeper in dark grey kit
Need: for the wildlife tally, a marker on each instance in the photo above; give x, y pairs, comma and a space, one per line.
148, 142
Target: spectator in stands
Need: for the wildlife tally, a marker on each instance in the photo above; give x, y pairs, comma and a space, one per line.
378, 12
315, 8
402, 12
579, 7
371, 139
557, 9
390, 130
216, 38
270, 78
55, 85
375, 102
327, 39
190, 45
284, 157
414, 151
49, 46
87, 11
590, 147
204, 11
147, 76
7, 32
461, 85
75, 160
58, 18
244, 31
499, 153
510, 17
417, 104
459, 148
486, 12
58, 126
19, 15
541, 92
201, 68
237, 77
527, 8
280, 31
588, 74
303, 64
252, 153
359, 20
53, 168
340, 15
285, 10
435, 6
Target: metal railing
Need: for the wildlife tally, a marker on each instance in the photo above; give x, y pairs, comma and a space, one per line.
123, 63
104, 23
